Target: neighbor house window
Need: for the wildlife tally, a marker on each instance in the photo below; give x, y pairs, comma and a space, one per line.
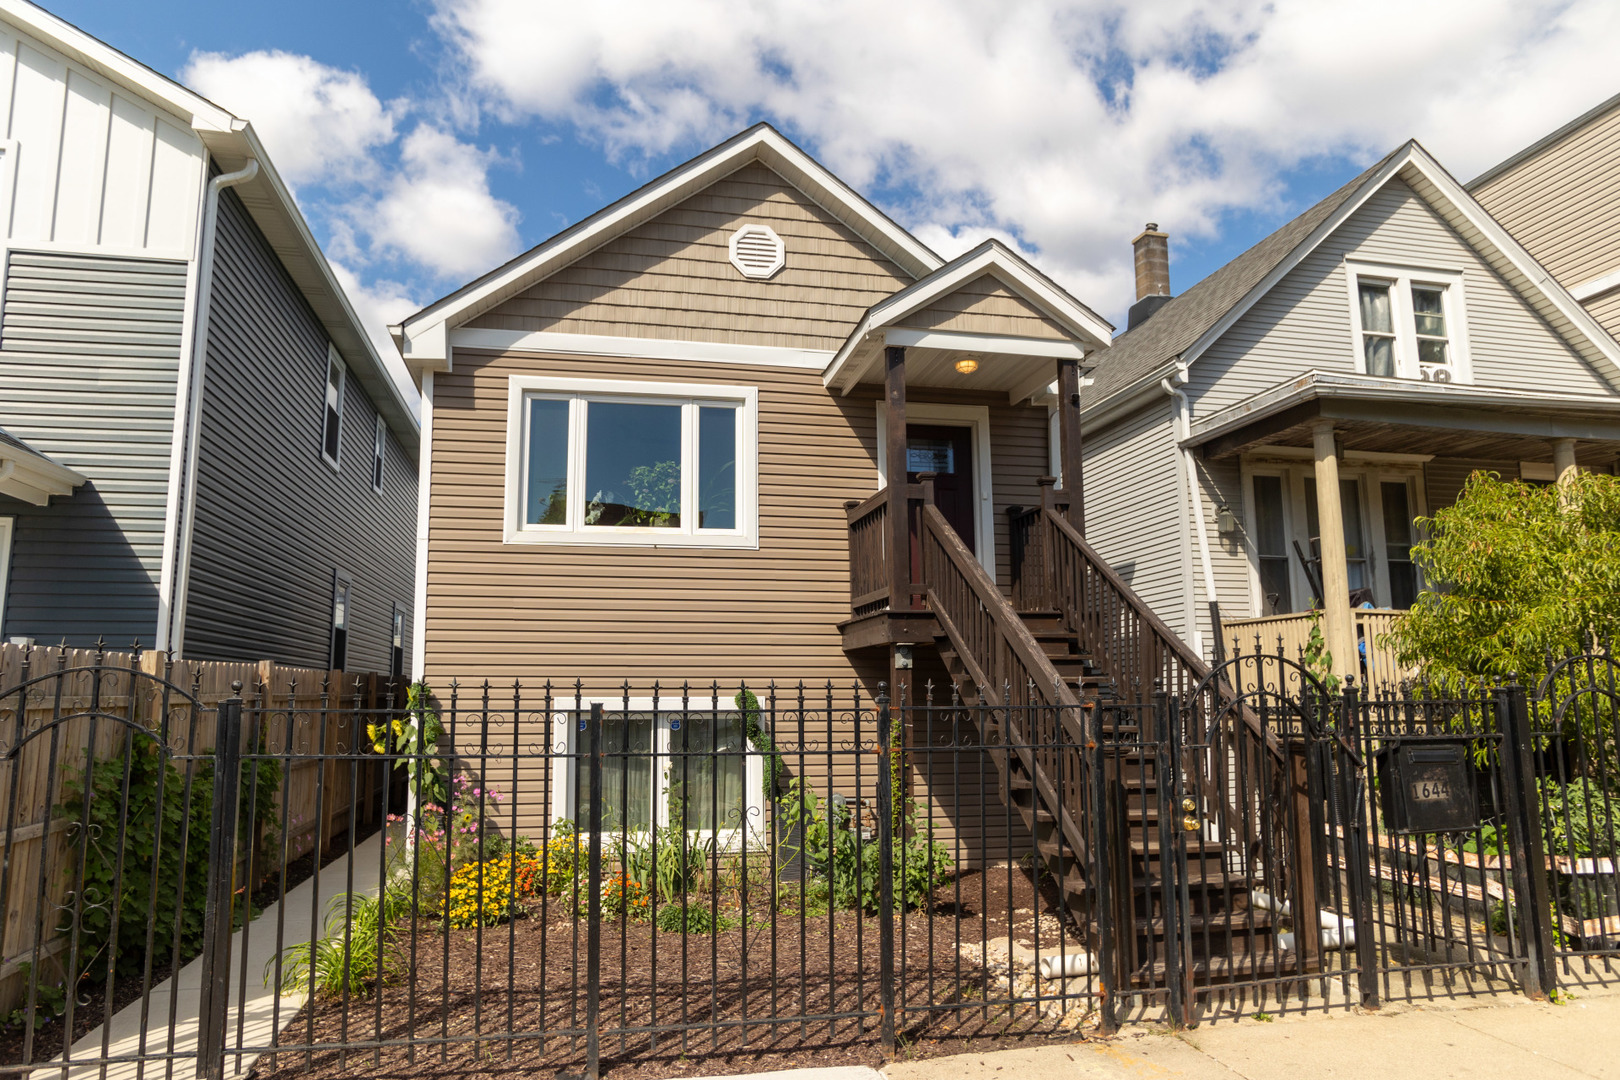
1271, 545
1408, 324
340, 621
379, 453
663, 766
332, 424
630, 463
396, 643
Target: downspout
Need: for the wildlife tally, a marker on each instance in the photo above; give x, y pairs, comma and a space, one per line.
1172, 385
199, 364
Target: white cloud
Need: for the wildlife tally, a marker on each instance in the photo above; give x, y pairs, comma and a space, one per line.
438, 210
1070, 123
319, 123
379, 305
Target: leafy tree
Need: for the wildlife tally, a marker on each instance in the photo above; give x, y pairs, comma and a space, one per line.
1516, 573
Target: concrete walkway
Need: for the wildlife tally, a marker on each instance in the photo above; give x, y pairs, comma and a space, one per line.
260, 1012
1506, 1035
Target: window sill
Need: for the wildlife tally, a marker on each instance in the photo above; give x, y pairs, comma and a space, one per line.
560, 538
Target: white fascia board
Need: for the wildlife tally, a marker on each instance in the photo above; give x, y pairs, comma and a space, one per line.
34, 479
1596, 287
508, 341
906, 337
761, 143
1126, 400
98, 56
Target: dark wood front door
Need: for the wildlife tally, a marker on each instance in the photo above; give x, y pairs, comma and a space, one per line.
947, 452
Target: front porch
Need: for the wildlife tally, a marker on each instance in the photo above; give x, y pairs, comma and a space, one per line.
1360, 458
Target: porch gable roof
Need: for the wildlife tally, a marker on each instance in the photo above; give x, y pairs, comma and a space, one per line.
1189, 324
1083, 330
29, 475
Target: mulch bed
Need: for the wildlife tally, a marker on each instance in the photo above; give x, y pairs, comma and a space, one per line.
529, 976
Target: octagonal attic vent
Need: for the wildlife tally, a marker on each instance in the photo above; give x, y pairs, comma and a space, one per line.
757, 251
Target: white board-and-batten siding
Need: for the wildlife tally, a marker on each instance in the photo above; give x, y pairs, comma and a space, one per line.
88, 167
1304, 322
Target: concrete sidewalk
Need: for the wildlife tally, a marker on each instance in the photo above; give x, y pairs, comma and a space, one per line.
1503, 1035
257, 1018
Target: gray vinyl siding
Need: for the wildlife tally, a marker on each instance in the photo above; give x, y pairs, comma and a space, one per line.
273, 520
89, 357
1303, 323
1133, 507
1220, 483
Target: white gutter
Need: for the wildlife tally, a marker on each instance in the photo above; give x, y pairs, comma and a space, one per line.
171, 634
1172, 385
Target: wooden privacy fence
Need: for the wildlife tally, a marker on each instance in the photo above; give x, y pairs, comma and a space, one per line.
306, 714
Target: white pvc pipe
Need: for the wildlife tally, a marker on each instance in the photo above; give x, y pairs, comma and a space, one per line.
1172, 385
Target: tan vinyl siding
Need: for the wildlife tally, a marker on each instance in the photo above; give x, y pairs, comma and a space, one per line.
609, 613
986, 306
673, 278
1134, 507
1563, 203
1606, 310
1303, 323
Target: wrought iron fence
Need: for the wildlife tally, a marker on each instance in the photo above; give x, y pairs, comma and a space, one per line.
565, 879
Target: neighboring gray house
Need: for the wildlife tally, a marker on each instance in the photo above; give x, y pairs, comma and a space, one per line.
1340, 378
202, 449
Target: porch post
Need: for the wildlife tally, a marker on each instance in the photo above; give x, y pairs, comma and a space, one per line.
1069, 440
895, 452
1564, 461
1337, 624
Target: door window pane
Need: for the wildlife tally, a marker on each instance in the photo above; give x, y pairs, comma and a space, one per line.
930, 455
1398, 543
1271, 545
627, 772
708, 770
633, 465
1355, 544
546, 499
717, 467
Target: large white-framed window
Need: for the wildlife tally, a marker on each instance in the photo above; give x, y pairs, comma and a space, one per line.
1409, 323
332, 411
604, 461
8, 526
1379, 501
663, 766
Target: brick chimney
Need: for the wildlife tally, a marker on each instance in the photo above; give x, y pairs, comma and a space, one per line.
1152, 249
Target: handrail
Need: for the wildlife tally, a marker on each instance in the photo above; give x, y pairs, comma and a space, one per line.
856, 511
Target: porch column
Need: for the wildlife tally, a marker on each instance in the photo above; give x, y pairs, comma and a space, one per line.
1563, 461
1069, 440
895, 453
1337, 625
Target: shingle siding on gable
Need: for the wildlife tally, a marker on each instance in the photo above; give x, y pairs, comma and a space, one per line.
673, 277
986, 306
1303, 323
273, 519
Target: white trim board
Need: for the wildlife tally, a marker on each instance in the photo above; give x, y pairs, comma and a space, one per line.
976, 417
1596, 287
708, 352
424, 514
8, 528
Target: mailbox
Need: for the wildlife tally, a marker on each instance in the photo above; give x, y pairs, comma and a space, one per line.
1428, 786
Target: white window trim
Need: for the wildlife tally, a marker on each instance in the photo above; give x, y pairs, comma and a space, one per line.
332, 357
565, 725
379, 452
746, 535
1294, 474
1401, 279
8, 528
977, 418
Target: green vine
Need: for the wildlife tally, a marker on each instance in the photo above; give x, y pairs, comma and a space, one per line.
760, 740
414, 737
1317, 659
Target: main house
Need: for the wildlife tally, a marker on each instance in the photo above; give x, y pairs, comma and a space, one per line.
1261, 444
200, 448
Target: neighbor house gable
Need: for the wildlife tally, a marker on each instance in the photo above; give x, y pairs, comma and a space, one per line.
1305, 321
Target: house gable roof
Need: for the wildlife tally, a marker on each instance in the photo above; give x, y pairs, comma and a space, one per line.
1543, 143
1184, 328
423, 338
1044, 297
232, 142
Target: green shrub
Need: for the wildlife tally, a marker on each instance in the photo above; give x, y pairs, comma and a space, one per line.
357, 947
693, 918
853, 870
760, 740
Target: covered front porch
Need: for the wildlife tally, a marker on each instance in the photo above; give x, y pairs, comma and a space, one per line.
1360, 458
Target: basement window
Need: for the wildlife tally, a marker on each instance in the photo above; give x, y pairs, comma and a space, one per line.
1408, 324
608, 462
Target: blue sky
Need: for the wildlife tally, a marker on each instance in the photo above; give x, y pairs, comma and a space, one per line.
429, 140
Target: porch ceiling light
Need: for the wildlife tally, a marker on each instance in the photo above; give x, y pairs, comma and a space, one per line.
967, 365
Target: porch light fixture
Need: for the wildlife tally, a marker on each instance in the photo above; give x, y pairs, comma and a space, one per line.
967, 365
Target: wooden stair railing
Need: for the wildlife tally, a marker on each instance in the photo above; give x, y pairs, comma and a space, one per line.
871, 575
1041, 715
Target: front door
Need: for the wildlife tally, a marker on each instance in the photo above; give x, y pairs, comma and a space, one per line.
946, 451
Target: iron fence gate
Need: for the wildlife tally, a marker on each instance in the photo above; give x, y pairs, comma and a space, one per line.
570, 880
